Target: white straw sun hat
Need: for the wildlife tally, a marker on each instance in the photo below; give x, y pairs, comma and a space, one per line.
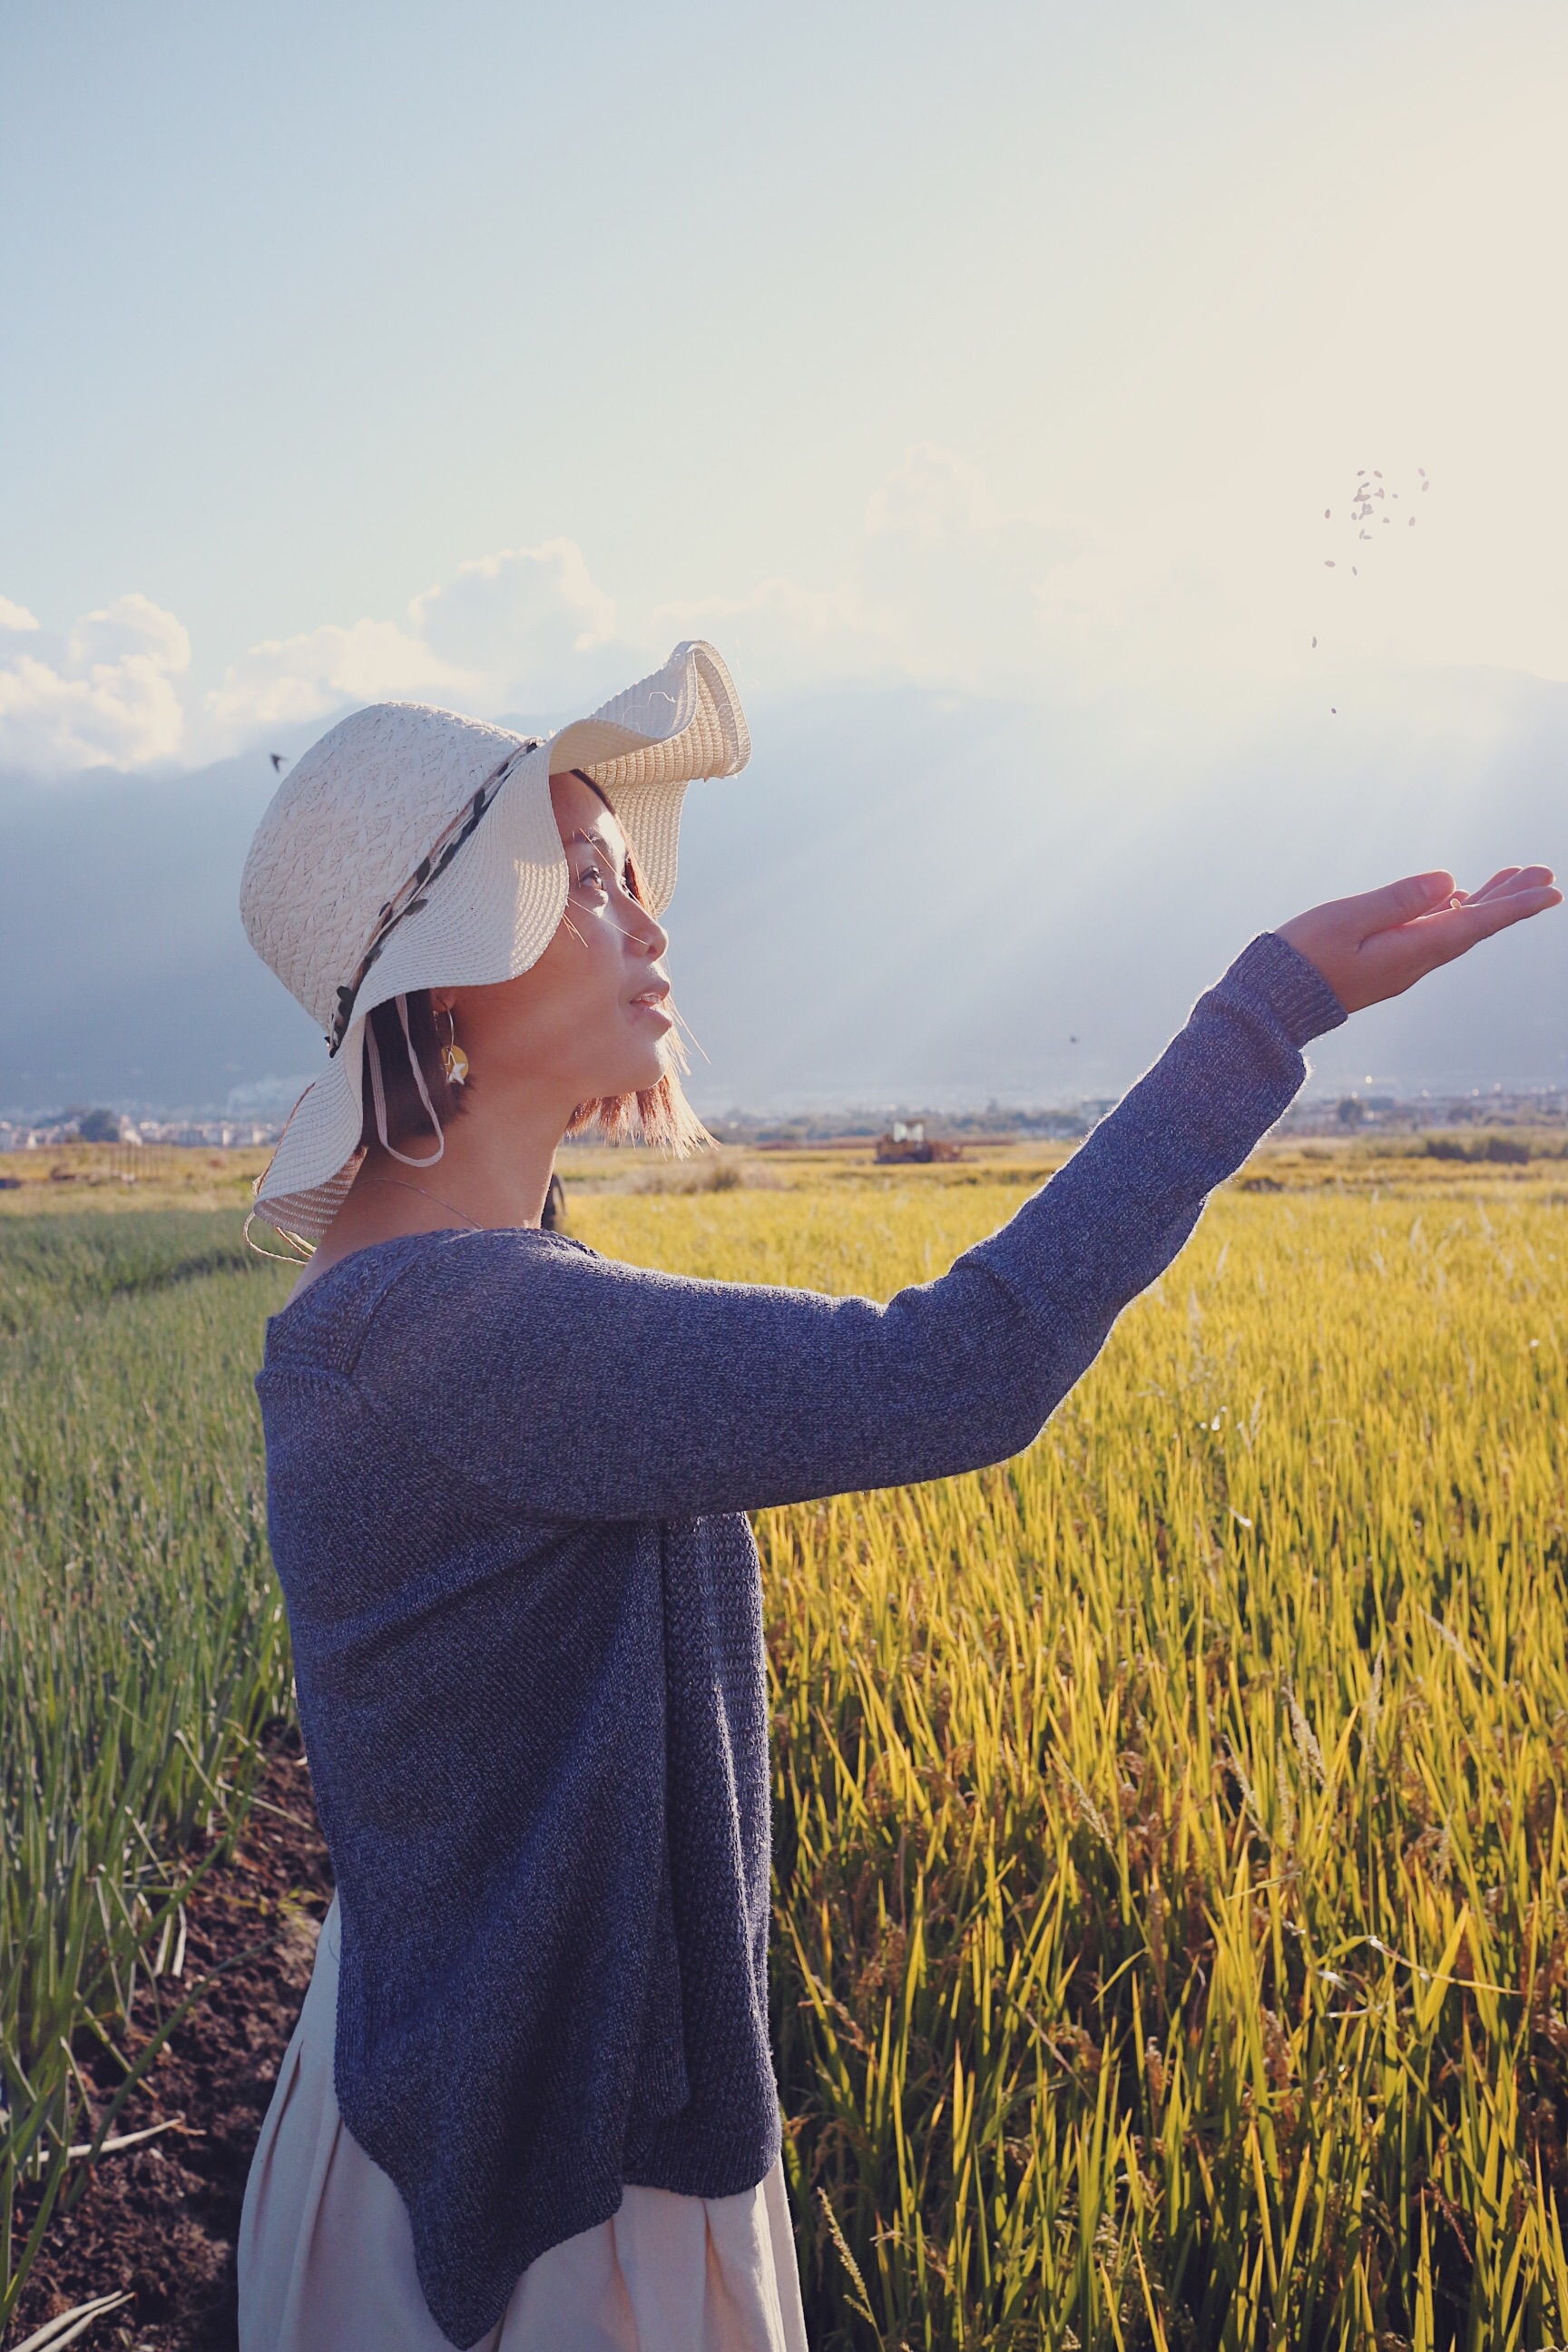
412, 848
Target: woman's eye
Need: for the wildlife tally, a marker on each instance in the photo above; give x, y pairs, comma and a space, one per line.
592, 878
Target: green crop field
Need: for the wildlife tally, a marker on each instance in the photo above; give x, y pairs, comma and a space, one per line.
1171, 1910
142, 1641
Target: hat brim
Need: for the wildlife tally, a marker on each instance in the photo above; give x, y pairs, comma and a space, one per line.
495, 909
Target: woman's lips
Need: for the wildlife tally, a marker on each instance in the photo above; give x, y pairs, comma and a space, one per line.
651, 1002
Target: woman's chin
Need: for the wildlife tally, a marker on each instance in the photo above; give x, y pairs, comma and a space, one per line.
636, 1074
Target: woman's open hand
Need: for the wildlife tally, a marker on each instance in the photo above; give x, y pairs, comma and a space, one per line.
1384, 941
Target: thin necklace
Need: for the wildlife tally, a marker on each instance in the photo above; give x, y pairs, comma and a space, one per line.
404, 1186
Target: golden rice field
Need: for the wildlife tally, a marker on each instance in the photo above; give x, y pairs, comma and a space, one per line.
1171, 1936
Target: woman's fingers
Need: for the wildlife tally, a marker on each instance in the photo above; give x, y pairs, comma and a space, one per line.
1382, 942
1514, 879
1454, 931
1504, 874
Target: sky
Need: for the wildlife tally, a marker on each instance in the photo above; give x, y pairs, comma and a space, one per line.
468, 353
478, 353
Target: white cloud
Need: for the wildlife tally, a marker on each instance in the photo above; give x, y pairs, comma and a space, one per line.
781, 610
520, 619
285, 681
106, 696
933, 499
939, 583
1208, 600
522, 626
1202, 598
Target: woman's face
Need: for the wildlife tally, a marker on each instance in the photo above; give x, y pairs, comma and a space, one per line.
590, 1018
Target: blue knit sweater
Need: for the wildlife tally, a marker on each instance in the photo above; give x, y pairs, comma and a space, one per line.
505, 1481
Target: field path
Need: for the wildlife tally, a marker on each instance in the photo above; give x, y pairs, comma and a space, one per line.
161, 2220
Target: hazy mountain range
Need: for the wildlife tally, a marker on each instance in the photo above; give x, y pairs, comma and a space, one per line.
910, 896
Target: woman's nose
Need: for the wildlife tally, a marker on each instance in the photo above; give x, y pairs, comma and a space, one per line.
648, 932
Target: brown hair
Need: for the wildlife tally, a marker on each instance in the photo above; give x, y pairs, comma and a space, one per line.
660, 1116
407, 1121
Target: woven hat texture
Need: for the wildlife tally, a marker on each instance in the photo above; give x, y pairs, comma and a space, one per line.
346, 833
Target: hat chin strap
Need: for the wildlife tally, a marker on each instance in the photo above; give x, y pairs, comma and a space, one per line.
379, 1091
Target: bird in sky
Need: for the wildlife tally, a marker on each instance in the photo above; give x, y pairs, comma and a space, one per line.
276, 760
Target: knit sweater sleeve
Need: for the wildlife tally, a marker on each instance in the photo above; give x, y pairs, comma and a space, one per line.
571, 1386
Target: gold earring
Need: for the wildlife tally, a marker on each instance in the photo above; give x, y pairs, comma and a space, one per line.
454, 1061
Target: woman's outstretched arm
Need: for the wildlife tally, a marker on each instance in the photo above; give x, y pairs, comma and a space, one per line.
570, 1386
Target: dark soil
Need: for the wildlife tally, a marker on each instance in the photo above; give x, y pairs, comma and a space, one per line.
161, 2220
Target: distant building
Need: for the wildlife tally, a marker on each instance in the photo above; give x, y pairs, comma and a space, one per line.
906, 1143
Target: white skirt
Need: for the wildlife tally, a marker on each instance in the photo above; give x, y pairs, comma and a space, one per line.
326, 2256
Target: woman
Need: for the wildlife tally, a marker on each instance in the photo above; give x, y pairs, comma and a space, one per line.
531, 2102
